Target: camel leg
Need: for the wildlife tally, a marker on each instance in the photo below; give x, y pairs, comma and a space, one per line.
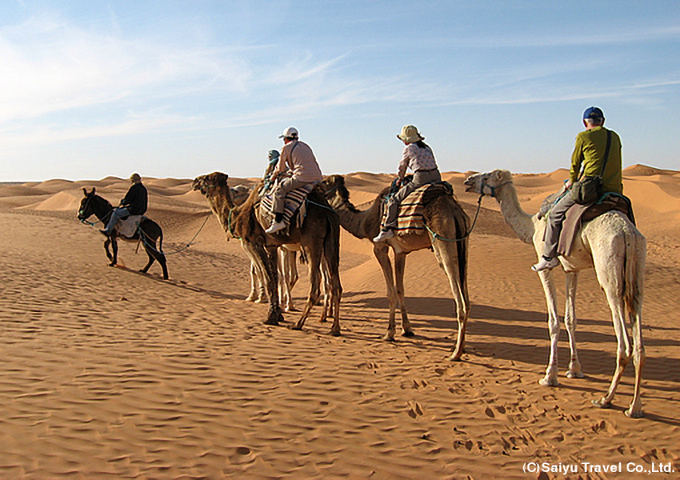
380, 252
635, 409
333, 289
623, 346
570, 323
447, 256
287, 278
399, 269
258, 274
314, 256
257, 289
550, 378
268, 257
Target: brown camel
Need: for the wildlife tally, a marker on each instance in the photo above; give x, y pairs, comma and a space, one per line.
443, 216
318, 237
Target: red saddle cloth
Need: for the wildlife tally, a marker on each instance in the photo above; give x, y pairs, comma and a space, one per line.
579, 214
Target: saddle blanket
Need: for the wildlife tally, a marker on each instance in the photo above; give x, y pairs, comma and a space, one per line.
579, 214
295, 200
128, 227
411, 216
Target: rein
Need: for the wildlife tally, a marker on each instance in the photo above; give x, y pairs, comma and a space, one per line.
436, 236
230, 225
493, 189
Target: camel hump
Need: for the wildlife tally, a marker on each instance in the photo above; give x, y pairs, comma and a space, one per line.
435, 190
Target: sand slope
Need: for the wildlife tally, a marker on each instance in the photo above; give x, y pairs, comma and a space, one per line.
108, 373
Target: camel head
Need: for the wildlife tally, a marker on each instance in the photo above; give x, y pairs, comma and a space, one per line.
240, 194
487, 183
334, 187
211, 184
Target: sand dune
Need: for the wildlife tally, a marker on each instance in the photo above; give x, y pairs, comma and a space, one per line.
109, 373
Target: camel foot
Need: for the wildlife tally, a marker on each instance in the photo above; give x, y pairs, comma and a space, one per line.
408, 333
549, 382
601, 403
575, 375
388, 337
251, 298
335, 332
633, 414
112, 264
455, 357
272, 322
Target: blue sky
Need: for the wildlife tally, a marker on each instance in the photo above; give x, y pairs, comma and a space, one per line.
181, 88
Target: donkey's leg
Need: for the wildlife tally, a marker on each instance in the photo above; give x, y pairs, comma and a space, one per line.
150, 253
114, 248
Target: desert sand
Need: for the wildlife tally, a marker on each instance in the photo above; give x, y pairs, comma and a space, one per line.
109, 373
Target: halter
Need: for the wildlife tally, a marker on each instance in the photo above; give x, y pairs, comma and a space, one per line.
492, 188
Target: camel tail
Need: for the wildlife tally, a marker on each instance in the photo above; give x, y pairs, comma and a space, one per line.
636, 254
462, 246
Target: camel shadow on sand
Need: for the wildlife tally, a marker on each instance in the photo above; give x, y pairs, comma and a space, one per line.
523, 335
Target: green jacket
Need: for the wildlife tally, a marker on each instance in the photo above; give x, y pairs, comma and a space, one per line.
589, 154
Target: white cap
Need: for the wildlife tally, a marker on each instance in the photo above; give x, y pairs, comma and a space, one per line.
290, 132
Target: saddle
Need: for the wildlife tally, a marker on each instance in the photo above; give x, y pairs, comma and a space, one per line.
579, 214
127, 226
411, 216
294, 203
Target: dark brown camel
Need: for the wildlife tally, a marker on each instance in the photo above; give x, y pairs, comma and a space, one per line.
443, 216
148, 232
319, 238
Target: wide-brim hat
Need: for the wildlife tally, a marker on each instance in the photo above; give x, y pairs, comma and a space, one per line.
409, 133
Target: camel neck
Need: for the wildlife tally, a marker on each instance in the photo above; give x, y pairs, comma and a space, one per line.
521, 222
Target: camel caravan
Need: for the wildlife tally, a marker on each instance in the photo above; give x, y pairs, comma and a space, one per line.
294, 210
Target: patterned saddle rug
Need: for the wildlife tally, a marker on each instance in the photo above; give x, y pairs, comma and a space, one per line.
295, 202
411, 216
128, 227
579, 214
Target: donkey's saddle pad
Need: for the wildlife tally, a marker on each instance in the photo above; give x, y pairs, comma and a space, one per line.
128, 227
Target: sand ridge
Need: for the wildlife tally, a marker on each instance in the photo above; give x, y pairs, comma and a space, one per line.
108, 373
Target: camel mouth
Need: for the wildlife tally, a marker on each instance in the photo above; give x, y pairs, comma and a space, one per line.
469, 185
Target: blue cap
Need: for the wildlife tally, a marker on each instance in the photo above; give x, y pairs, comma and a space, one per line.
593, 112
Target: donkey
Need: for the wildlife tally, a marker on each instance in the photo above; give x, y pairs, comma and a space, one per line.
148, 231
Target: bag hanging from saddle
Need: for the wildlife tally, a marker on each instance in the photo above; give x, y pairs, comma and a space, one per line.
589, 189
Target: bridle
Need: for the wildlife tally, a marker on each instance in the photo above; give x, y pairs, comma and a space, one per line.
491, 187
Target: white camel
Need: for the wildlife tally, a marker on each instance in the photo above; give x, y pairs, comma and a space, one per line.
615, 247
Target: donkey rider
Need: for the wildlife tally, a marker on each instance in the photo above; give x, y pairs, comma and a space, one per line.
134, 203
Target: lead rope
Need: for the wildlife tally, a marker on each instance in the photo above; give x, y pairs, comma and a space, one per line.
436, 236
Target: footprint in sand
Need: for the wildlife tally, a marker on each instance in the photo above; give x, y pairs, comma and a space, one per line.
414, 409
